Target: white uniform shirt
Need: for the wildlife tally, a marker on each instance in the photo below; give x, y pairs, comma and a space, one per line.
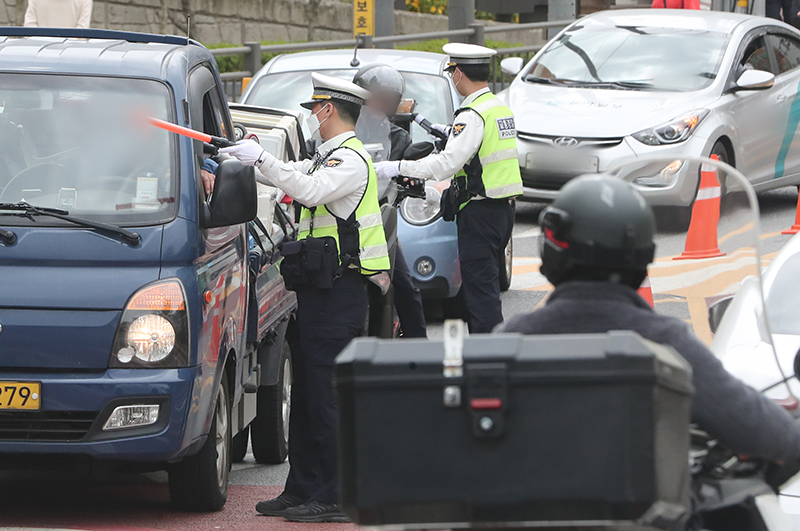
59, 13
339, 183
464, 142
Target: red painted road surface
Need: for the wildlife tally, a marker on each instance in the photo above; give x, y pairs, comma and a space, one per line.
103, 506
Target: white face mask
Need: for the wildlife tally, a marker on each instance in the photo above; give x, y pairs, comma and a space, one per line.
313, 124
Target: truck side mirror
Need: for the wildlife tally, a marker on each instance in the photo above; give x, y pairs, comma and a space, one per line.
716, 311
235, 198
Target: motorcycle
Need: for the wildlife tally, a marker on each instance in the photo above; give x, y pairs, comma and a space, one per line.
696, 273
374, 130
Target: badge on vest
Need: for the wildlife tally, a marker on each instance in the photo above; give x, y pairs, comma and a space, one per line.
333, 162
458, 128
506, 128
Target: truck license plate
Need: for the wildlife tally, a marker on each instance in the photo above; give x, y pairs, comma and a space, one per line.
20, 395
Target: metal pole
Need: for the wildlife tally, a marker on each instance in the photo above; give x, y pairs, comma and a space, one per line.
479, 37
384, 20
460, 14
561, 10
252, 59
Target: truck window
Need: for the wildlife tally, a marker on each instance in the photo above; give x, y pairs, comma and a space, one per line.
82, 144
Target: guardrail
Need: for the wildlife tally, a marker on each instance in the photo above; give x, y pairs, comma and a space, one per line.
475, 34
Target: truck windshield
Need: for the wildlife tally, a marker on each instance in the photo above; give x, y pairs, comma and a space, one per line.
81, 144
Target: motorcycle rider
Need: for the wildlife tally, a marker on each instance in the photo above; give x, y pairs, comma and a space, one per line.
387, 87
597, 243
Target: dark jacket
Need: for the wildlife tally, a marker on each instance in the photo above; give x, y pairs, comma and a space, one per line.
400, 141
725, 407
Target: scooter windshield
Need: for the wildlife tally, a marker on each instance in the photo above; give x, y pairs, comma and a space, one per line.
707, 268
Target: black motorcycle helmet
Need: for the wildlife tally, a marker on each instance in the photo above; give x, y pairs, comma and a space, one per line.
598, 228
386, 85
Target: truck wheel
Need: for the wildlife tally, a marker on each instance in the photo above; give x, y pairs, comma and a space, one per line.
506, 259
269, 431
239, 445
200, 482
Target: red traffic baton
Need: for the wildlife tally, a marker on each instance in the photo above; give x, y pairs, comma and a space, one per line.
216, 141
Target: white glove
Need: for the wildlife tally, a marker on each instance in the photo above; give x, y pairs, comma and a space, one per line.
442, 128
248, 152
387, 169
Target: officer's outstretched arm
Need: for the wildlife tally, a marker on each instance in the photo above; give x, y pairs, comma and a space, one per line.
339, 176
463, 144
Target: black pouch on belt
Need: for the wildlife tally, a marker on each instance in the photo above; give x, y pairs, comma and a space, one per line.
320, 259
294, 275
452, 199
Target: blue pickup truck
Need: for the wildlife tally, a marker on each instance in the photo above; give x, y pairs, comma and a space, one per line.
142, 323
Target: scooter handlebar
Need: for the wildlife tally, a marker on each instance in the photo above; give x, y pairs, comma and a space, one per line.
428, 127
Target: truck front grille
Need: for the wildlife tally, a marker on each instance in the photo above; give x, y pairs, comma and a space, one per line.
45, 425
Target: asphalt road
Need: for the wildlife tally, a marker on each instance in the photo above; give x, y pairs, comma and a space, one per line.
61, 499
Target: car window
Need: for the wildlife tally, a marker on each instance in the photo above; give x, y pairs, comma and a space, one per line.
756, 56
787, 52
82, 143
632, 57
288, 90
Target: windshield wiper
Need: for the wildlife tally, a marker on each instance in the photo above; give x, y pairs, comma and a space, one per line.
626, 85
27, 210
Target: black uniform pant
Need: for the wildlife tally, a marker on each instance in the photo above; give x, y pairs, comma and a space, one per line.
773, 9
327, 320
484, 228
407, 298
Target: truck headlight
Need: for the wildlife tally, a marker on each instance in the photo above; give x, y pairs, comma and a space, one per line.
154, 329
674, 131
422, 211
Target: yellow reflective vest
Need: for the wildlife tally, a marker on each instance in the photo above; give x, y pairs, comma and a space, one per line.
360, 238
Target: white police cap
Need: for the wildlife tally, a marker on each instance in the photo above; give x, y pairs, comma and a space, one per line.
467, 54
328, 88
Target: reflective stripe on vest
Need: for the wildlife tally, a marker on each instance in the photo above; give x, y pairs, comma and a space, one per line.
373, 255
499, 175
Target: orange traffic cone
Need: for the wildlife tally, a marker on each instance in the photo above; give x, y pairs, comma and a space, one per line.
796, 227
646, 292
701, 241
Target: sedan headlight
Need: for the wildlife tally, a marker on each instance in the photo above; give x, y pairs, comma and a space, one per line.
154, 329
672, 132
422, 211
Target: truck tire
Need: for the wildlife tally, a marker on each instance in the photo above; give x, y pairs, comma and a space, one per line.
269, 431
200, 482
239, 445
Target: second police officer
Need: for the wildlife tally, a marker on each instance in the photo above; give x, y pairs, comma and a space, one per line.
481, 153
341, 242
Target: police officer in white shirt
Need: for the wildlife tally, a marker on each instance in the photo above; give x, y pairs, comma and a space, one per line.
341, 243
481, 157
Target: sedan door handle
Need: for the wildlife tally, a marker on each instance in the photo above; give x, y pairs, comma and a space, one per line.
782, 98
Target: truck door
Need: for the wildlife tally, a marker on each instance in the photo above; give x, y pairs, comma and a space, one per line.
221, 268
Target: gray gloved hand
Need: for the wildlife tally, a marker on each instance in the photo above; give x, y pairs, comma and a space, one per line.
387, 169
442, 128
248, 152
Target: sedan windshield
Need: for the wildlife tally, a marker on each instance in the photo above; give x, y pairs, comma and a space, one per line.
631, 58
289, 89
82, 145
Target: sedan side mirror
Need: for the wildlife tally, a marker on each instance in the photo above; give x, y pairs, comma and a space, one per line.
235, 198
755, 80
512, 65
717, 311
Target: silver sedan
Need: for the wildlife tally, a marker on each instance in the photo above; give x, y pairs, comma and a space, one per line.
624, 85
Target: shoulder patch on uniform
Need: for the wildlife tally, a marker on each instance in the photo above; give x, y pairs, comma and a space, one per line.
333, 162
506, 128
458, 128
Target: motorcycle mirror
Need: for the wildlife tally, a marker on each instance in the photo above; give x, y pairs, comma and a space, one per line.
716, 311
418, 151
407, 106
